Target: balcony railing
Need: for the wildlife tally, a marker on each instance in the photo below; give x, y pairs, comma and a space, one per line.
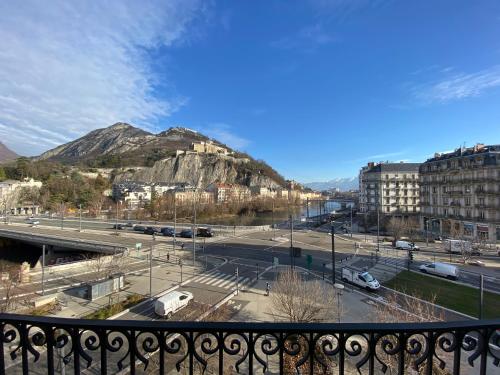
49, 345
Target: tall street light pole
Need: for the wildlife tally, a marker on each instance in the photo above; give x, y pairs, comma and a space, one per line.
80, 226
378, 226
333, 252
194, 228
175, 220
291, 243
351, 220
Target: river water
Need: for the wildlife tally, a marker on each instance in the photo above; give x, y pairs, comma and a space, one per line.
267, 218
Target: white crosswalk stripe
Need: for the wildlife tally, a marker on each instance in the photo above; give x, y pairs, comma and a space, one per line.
222, 280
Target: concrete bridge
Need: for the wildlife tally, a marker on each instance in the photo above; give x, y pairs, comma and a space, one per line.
70, 240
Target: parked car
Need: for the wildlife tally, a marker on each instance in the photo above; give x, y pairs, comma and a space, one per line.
186, 233
406, 245
32, 221
360, 278
170, 303
119, 226
139, 228
205, 232
167, 231
151, 230
440, 269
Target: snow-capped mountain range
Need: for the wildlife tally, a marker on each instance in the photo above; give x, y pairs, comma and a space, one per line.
343, 184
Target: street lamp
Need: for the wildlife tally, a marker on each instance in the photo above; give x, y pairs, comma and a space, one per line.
291, 243
80, 226
339, 288
333, 251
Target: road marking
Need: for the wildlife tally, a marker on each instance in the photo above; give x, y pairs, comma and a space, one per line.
222, 280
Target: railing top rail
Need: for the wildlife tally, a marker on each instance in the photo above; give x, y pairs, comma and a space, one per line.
252, 327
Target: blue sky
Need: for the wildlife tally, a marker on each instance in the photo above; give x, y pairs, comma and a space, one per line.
316, 88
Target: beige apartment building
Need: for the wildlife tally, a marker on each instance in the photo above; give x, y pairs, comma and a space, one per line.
391, 188
460, 193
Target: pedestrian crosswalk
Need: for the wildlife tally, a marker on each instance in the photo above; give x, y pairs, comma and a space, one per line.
222, 280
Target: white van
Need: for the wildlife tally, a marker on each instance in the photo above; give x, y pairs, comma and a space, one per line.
360, 278
406, 245
440, 269
167, 305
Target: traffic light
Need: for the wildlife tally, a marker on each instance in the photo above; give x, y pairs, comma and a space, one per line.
411, 256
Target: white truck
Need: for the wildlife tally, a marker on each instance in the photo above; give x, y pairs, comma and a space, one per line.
167, 305
361, 278
405, 245
457, 246
440, 269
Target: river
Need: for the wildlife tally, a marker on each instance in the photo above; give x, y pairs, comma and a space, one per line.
267, 218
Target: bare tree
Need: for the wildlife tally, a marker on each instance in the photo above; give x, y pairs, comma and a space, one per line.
296, 300
401, 307
397, 227
105, 265
9, 277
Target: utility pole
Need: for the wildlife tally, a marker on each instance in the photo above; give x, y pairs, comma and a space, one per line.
180, 265
194, 229
307, 209
43, 270
175, 221
291, 243
116, 219
378, 227
481, 301
62, 216
427, 233
80, 226
151, 271
274, 234
333, 252
351, 220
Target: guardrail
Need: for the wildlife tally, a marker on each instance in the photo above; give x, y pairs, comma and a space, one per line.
203, 347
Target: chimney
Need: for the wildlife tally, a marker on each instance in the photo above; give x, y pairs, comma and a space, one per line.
371, 164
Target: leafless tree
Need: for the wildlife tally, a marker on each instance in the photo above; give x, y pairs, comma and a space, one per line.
396, 226
105, 265
401, 307
9, 277
296, 300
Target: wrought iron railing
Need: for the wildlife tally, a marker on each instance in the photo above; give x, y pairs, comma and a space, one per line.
48, 345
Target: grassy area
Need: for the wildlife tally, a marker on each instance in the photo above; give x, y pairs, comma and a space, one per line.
448, 294
115, 308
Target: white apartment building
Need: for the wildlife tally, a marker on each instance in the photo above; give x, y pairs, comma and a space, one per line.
391, 188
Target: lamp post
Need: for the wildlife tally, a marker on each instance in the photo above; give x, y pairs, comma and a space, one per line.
351, 220
378, 227
80, 222
62, 215
333, 251
291, 243
339, 288
194, 228
175, 221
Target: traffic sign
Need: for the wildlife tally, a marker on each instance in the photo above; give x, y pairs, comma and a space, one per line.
309, 260
138, 246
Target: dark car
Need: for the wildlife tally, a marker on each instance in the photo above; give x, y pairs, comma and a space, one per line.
205, 232
151, 230
118, 226
167, 231
139, 228
186, 233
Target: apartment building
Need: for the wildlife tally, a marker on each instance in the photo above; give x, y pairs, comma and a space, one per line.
229, 192
132, 193
460, 193
391, 188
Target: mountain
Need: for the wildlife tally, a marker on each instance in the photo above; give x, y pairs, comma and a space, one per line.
343, 184
6, 154
138, 155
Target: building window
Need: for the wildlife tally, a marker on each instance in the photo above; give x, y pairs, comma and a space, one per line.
387, 209
467, 201
468, 213
445, 212
481, 215
434, 189
498, 233
444, 189
467, 188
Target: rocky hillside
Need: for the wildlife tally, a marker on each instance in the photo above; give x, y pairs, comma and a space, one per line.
6, 154
142, 156
201, 170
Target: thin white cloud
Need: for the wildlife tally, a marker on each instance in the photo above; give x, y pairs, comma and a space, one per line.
225, 134
342, 9
69, 67
307, 39
459, 86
